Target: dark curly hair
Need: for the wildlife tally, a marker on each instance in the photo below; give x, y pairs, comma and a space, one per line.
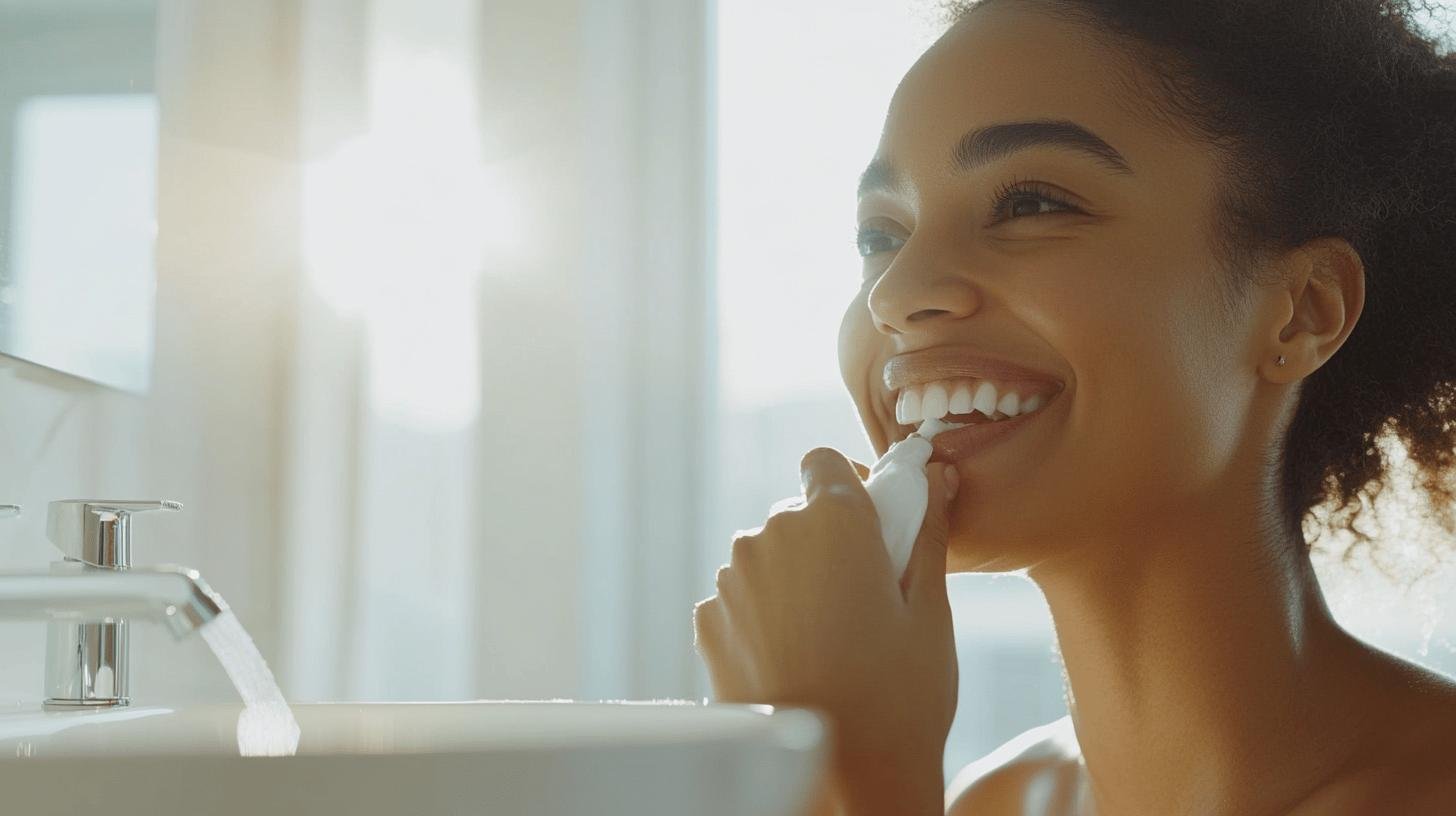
1328, 118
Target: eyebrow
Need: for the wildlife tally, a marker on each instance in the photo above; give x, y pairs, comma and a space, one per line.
984, 145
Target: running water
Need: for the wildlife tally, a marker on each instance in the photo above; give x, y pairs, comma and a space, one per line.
266, 726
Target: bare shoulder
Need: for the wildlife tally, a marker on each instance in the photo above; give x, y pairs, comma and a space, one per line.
1383, 790
1036, 773
1420, 777
1412, 769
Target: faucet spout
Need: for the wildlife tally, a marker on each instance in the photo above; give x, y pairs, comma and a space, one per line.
74, 592
88, 598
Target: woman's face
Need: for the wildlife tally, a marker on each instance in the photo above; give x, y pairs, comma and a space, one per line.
1106, 287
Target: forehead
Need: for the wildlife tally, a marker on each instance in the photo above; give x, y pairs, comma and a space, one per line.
1009, 63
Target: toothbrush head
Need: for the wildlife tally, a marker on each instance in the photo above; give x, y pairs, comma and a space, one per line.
930, 427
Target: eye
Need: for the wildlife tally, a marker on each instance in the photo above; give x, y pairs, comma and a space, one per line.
1017, 192
870, 241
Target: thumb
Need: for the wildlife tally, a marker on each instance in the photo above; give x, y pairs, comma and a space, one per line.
924, 579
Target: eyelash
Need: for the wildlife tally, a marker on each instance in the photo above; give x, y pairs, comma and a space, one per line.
1020, 189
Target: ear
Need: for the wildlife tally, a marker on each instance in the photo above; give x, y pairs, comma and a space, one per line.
1319, 301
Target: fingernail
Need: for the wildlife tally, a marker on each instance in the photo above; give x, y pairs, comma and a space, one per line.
952, 481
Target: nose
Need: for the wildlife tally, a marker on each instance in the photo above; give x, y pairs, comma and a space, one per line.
915, 293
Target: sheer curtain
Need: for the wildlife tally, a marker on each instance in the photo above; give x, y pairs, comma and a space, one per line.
495, 468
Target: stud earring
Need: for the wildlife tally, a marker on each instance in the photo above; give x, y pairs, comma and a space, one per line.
1280, 361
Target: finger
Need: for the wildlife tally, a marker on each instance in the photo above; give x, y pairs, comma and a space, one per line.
924, 579
708, 629
723, 580
710, 640
825, 471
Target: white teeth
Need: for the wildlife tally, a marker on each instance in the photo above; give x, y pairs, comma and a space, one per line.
934, 400
985, 398
960, 401
910, 405
935, 403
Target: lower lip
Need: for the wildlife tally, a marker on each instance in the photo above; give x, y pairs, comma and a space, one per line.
960, 443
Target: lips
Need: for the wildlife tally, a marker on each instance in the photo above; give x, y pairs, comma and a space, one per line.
949, 362
960, 443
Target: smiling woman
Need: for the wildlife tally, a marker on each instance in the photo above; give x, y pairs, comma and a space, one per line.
778, 380
1225, 230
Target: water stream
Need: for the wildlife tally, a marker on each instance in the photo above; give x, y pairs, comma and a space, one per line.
266, 726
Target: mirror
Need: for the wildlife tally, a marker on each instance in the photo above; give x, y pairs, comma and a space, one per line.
78, 187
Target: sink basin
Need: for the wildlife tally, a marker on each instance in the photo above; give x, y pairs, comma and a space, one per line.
487, 757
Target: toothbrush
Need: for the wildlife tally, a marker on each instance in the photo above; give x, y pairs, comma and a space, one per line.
900, 490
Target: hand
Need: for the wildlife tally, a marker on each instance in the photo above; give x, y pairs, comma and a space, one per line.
808, 613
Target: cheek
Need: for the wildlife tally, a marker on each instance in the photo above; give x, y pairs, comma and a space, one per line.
1150, 413
858, 344
1142, 396
862, 355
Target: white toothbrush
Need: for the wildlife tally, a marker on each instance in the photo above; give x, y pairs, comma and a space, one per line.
900, 490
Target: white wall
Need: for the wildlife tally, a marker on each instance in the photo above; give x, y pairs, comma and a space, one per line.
207, 433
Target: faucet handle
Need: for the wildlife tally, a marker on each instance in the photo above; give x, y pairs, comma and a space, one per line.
9, 510
97, 531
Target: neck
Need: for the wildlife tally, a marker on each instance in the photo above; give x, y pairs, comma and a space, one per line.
1199, 660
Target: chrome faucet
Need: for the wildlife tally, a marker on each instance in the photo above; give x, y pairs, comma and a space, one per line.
88, 596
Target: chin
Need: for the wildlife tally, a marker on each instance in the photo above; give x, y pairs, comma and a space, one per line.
974, 548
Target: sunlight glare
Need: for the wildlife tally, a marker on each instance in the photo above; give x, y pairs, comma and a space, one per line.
398, 225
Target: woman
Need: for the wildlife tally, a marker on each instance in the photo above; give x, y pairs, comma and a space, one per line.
1219, 239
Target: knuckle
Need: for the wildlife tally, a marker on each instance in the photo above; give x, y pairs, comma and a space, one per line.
704, 612
723, 578
817, 455
747, 535
789, 524
745, 549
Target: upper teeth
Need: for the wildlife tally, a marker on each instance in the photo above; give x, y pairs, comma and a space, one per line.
934, 400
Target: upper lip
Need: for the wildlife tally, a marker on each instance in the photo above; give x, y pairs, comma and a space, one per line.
947, 362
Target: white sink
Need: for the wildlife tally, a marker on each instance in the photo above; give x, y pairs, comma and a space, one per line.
484, 757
